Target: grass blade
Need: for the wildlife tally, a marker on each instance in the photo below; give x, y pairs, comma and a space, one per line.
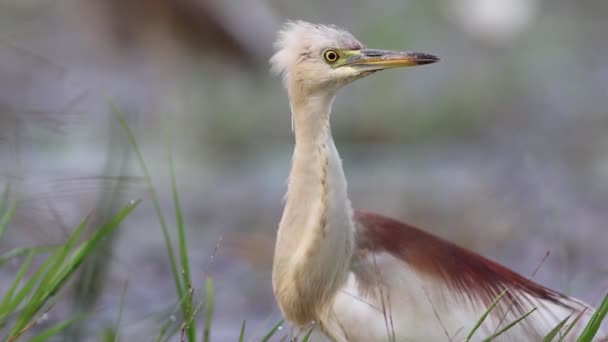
208, 311
179, 287
65, 250
8, 296
56, 329
572, 325
553, 333
594, 323
83, 250
183, 247
272, 331
509, 326
26, 290
18, 252
307, 336
59, 273
29, 325
8, 215
242, 334
53, 263
4, 199
485, 315
163, 330
120, 310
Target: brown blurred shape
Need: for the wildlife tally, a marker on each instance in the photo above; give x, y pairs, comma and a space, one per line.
198, 27
255, 249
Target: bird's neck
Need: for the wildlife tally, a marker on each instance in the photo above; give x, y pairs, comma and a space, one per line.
316, 234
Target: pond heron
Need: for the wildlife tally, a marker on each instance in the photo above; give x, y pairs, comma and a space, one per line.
360, 276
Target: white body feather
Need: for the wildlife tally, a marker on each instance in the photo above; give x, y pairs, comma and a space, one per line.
411, 308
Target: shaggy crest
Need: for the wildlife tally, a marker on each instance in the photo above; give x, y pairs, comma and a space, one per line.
299, 40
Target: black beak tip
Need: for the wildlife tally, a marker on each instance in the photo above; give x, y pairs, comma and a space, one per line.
423, 58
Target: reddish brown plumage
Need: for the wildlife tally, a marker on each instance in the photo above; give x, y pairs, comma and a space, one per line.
472, 275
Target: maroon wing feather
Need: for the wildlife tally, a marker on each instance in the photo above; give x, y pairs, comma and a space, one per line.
469, 273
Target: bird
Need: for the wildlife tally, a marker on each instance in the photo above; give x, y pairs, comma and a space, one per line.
360, 276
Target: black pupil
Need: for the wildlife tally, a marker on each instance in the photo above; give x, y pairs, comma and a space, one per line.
331, 56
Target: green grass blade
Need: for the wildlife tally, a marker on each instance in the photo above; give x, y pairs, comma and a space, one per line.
55, 261
161, 218
571, 325
85, 249
553, 333
108, 335
272, 331
307, 336
14, 337
183, 247
485, 315
120, 310
8, 296
66, 249
509, 326
58, 274
4, 199
169, 327
56, 329
26, 290
208, 310
163, 330
18, 252
242, 334
7, 216
594, 323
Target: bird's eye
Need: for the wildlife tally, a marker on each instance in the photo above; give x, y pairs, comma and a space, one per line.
331, 55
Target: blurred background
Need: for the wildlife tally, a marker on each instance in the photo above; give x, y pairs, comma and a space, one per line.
501, 147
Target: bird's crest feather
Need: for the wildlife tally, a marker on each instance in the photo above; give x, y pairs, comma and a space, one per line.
298, 40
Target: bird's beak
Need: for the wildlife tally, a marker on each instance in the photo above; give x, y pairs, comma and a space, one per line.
384, 59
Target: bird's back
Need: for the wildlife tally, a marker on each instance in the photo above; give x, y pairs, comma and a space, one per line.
406, 284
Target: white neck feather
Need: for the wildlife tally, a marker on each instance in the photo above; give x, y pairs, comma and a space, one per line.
315, 240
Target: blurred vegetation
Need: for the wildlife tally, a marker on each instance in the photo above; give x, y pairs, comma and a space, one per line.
33, 293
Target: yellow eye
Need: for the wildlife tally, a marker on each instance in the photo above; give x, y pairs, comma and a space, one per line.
331, 55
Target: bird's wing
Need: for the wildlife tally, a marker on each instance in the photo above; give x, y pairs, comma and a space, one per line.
466, 273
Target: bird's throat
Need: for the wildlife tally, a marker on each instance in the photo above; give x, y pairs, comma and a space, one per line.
316, 234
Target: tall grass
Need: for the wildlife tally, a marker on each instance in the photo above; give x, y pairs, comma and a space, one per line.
558, 333
32, 292
594, 323
183, 283
181, 275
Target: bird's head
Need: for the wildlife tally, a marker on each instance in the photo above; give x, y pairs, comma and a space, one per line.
313, 57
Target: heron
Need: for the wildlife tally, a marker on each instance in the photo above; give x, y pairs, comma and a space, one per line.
361, 276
